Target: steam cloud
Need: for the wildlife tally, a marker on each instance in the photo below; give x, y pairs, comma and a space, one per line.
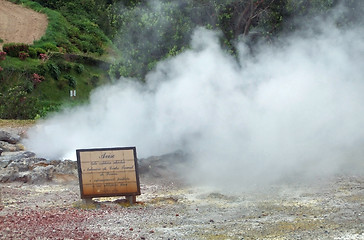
293, 110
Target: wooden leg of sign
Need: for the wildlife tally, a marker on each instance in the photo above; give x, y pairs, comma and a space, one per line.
131, 199
87, 201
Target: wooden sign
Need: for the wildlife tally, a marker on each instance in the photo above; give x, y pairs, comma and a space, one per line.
108, 172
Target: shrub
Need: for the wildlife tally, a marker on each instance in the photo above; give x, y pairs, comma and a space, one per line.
85, 46
64, 66
23, 55
40, 51
45, 108
49, 47
32, 52
28, 87
71, 81
42, 69
13, 49
54, 70
79, 68
17, 104
2, 56
43, 57
36, 78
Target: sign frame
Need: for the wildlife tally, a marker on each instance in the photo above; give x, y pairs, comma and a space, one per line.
115, 194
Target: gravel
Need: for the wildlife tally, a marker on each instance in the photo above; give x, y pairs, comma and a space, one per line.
47, 205
329, 209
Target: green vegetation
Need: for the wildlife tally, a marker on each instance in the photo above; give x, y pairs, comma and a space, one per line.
71, 32
36, 79
76, 51
147, 33
43, 85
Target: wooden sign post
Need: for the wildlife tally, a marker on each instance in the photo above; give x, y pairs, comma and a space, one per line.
108, 172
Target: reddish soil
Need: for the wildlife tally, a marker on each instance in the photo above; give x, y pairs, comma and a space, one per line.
19, 24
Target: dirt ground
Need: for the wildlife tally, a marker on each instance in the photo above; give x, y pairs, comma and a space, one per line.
329, 209
19, 24
326, 208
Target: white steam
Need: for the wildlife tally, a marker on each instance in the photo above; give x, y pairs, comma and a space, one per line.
294, 110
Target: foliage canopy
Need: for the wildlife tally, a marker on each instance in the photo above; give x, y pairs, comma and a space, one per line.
80, 32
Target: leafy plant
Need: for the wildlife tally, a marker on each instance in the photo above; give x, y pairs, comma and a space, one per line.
79, 68
2, 56
47, 46
64, 66
71, 81
40, 51
28, 87
13, 49
32, 52
53, 70
23, 55
45, 108
17, 104
42, 69
36, 78
44, 57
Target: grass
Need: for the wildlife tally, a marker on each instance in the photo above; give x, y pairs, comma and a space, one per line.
71, 34
19, 65
51, 89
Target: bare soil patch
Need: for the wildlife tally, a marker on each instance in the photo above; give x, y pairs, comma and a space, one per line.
19, 24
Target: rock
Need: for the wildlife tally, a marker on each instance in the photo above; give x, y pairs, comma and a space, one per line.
16, 156
37, 175
7, 147
41, 174
26, 167
11, 176
158, 166
9, 137
65, 167
19, 166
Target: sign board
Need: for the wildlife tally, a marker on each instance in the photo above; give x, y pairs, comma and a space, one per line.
108, 172
72, 93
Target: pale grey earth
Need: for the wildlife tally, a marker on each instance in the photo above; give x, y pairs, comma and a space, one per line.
329, 208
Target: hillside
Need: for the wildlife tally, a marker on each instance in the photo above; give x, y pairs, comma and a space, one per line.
45, 56
82, 44
20, 24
